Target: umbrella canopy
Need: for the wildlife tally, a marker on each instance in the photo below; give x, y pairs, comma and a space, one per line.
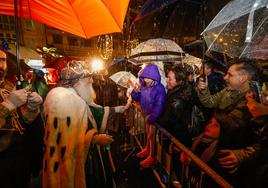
192, 60
155, 50
25, 53
81, 18
123, 78
240, 30
175, 18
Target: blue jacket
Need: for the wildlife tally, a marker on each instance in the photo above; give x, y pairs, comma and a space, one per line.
151, 98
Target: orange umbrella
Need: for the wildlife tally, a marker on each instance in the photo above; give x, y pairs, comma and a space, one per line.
85, 18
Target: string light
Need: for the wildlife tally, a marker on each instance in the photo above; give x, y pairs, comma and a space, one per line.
105, 46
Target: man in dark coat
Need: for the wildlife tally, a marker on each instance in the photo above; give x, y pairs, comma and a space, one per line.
21, 132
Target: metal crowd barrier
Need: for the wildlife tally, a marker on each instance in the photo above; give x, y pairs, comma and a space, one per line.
163, 166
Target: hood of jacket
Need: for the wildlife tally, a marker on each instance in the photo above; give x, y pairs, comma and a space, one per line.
150, 71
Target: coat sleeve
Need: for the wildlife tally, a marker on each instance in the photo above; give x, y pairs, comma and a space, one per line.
68, 137
210, 101
158, 106
136, 96
259, 150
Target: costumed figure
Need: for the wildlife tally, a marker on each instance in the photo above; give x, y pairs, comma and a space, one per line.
74, 124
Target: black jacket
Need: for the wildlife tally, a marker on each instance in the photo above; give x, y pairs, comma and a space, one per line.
177, 111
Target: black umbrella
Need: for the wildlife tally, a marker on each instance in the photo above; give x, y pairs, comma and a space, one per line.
171, 18
123, 64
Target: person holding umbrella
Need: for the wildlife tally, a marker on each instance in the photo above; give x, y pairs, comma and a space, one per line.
232, 115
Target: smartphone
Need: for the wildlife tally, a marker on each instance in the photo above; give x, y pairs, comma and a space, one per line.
255, 88
203, 77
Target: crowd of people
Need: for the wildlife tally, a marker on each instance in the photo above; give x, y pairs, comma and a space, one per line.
231, 134
62, 133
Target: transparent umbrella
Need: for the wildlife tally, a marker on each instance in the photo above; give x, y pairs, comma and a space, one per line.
192, 60
240, 29
123, 78
155, 50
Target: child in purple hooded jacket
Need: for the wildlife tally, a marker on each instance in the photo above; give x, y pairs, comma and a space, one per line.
151, 96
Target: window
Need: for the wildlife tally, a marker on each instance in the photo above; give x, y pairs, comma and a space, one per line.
12, 20
29, 25
6, 27
57, 39
5, 20
88, 42
31, 42
73, 41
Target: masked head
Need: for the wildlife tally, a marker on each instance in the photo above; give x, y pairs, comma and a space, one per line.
3, 66
71, 74
76, 76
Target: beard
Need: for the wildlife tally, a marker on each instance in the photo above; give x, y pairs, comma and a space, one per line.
2, 76
86, 91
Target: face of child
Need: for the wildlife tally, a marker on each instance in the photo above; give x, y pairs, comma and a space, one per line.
212, 130
148, 81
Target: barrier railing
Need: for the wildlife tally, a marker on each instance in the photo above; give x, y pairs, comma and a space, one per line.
163, 166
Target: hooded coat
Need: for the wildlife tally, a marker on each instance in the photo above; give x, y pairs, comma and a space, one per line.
151, 98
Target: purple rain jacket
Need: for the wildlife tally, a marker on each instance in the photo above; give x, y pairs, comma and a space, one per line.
151, 98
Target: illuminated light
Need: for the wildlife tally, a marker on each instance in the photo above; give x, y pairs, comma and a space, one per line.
97, 65
225, 44
221, 40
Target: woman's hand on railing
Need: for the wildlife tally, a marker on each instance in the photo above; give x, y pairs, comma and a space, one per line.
185, 159
173, 149
228, 160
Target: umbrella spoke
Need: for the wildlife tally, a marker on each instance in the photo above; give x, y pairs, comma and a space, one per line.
239, 29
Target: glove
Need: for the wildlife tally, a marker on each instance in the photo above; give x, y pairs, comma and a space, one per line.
120, 109
102, 139
34, 100
16, 99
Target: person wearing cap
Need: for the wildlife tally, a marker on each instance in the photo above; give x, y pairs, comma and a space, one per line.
74, 125
215, 78
21, 131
